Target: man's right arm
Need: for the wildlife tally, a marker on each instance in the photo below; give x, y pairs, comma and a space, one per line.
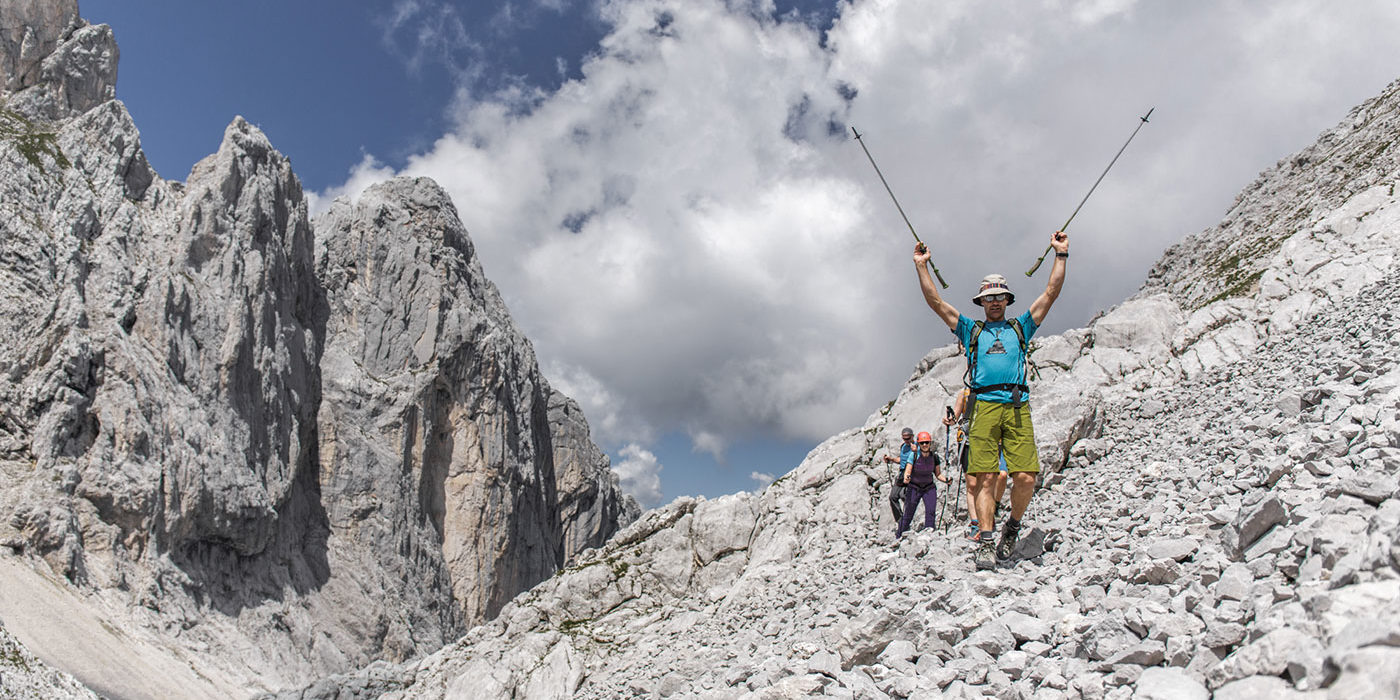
935, 301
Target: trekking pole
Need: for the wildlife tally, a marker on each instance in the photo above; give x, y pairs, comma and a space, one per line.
1041, 259
896, 206
896, 505
948, 462
962, 474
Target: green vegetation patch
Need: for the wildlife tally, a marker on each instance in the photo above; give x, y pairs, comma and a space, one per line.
1234, 271
10, 656
1239, 288
573, 626
619, 568
31, 141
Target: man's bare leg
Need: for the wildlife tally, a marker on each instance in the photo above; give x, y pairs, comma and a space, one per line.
983, 486
1022, 488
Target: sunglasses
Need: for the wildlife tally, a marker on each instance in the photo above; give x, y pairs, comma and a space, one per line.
925, 442
908, 437
996, 297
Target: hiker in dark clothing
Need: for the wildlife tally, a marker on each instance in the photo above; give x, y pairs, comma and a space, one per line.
921, 469
1001, 416
897, 488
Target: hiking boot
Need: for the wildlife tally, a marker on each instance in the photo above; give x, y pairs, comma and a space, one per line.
985, 556
1007, 546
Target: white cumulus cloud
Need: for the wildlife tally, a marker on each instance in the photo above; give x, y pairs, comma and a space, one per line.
762, 479
640, 475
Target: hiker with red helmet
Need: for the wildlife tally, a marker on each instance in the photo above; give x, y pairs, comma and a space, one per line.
921, 469
1000, 421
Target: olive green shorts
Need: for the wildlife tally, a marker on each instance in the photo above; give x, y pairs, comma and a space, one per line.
1001, 427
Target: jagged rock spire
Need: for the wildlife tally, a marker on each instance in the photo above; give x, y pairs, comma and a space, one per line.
270, 449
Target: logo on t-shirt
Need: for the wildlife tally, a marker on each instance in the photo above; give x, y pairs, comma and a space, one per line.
997, 348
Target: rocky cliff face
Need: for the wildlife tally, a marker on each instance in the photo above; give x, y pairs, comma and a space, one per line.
1232, 258
1223, 481
438, 432
54, 64
266, 449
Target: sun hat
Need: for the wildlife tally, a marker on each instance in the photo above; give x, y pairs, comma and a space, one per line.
993, 284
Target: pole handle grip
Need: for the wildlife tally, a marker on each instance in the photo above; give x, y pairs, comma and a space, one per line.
1038, 261
936, 273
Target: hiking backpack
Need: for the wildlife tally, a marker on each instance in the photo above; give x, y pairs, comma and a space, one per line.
977, 327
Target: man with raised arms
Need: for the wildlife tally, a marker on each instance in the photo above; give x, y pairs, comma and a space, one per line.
1000, 420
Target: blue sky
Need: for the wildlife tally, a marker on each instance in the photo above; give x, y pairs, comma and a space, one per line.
665, 193
329, 81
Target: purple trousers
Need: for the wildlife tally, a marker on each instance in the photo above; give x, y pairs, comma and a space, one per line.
913, 493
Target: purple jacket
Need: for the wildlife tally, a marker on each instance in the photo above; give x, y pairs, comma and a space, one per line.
923, 469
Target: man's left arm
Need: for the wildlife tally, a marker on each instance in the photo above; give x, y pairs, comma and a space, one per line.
1041, 306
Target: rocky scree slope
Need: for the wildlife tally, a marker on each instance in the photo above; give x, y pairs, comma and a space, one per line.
24, 677
1223, 476
248, 449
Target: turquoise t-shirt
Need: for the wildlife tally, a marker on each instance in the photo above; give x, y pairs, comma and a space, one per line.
999, 356
907, 454
907, 451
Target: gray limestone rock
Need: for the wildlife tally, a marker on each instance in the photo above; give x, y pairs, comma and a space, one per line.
1253, 521
80, 74
1177, 550
54, 65
436, 413
1373, 489
1260, 688
1169, 684
30, 30
1369, 672
1026, 628
1269, 655
1108, 637
23, 675
994, 638
1236, 582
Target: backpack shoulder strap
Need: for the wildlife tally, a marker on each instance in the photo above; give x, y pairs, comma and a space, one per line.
1026, 364
1020, 335
977, 327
